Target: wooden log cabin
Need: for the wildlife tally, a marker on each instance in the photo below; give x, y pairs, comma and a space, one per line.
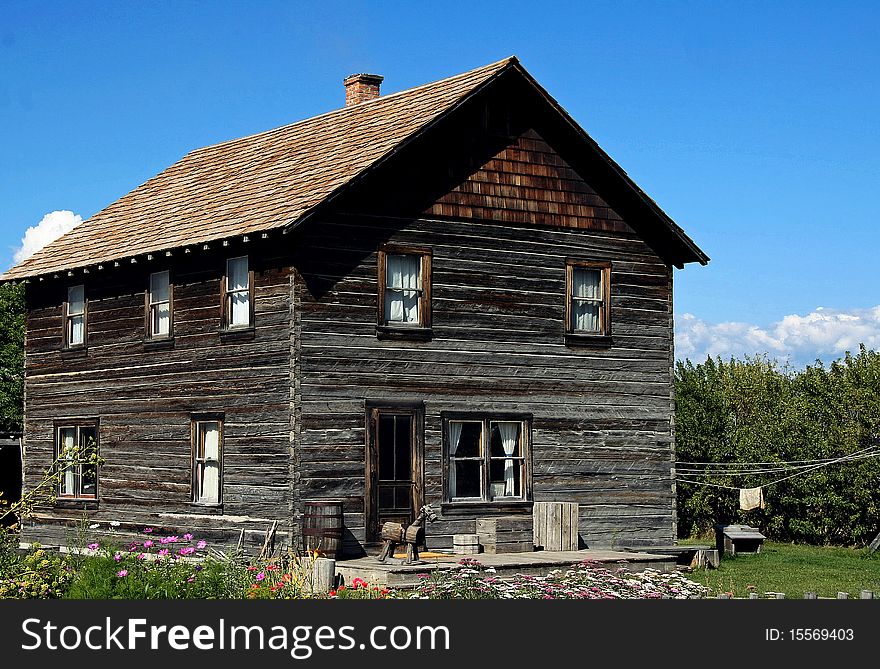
447, 295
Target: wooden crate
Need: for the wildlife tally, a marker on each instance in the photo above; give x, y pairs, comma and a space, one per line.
556, 525
506, 534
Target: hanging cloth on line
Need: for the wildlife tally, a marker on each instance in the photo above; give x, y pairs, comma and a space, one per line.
751, 498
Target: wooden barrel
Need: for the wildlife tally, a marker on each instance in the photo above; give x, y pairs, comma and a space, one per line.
322, 524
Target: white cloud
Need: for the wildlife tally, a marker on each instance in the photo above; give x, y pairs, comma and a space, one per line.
50, 228
823, 333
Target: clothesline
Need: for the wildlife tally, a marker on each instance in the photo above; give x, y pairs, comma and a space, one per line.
734, 470
869, 452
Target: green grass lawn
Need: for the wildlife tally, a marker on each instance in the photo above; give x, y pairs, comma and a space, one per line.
794, 570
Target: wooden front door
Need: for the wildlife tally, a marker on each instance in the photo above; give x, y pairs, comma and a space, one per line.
394, 466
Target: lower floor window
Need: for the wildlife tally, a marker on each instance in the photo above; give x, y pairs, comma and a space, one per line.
76, 453
207, 461
487, 457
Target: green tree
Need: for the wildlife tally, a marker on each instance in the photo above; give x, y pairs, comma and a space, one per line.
12, 318
753, 410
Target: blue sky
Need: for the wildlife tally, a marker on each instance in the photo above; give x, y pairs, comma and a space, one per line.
754, 125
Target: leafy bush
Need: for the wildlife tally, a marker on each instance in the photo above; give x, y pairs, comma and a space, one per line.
38, 574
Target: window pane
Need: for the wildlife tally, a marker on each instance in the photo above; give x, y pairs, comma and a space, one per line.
159, 287
585, 316
66, 442
386, 497
237, 273
403, 448
76, 331
161, 319
210, 440
403, 497
505, 477
386, 448
403, 271
209, 470
239, 309
403, 281
467, 478
469, 445
210, 488
89, 481
504, 439
586, 283
75, 300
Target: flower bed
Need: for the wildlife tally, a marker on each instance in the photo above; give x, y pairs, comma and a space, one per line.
584, 581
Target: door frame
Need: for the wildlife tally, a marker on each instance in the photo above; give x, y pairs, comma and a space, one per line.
372, 409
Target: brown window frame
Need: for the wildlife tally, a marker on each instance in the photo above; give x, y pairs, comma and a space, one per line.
226, 296
602, 337
393, 329
196, 447
66, 319
150, 336
486, 418
75, 424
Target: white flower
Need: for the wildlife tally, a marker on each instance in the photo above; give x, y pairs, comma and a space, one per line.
94, 526
114, 523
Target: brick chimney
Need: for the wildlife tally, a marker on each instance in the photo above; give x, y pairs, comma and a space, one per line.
361, 87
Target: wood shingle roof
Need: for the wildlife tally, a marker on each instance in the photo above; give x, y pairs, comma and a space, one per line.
256, 183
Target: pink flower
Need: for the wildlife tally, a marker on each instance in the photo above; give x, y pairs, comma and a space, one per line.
261, 576
163, 552
148, 544
142, 556
148, 530
201, 545
117, 557
168, 540
93, 547
122, 574
187, 537
189, 550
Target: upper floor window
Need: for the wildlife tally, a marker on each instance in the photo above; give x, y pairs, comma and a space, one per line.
588, 307
76, 451
238, 294
159, 306
207, 475
487, 458
75, 317
404, 288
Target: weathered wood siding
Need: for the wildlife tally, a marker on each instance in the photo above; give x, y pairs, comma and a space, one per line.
602, 417
144, 399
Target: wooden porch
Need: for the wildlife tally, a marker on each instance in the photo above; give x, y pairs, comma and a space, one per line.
394, 574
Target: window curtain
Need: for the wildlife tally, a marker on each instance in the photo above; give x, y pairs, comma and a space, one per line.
403, 274
237, 285
159, 298
454, 437
586, 284
210, 491
509, 433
